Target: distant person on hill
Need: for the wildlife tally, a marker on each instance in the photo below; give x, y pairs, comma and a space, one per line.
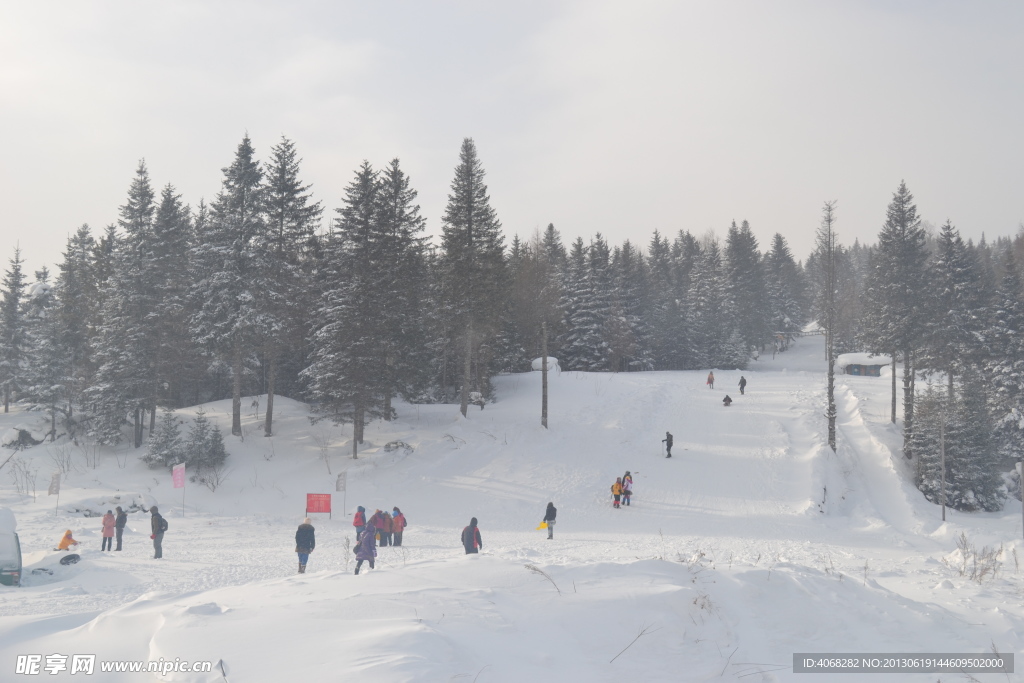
743, 384
398, 523
549, 519
617, 491
305, 541
366, 549
711, 380
386, 528
727, 401
359, 521
159, 526
119, 524
66, 541
668, 444
627, 487
471, 539
108, 531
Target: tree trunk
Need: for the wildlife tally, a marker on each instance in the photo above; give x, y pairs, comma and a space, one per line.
268, 427
893, 418
949, 388
137, 429
236, 390
544, 375
7, 399
467, 368
152, 419
908, 402
387, 406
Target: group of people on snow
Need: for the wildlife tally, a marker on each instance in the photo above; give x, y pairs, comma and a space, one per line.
388, 526
622, 489
112, 528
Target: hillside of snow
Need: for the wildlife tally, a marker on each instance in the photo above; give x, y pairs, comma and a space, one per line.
753, 542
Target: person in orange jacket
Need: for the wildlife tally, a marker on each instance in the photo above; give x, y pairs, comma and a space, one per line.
399, 523
711, 380
386, 528
617, 490
67, 541
359, 521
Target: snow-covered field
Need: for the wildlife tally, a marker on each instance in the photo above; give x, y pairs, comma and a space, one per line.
752, 543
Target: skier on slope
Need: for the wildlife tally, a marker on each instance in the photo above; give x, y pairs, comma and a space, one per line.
617, 491
305, 541
668, 444
359, 521
366, 549
471, 539
549, 519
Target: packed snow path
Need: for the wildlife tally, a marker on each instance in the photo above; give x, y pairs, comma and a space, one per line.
754, 541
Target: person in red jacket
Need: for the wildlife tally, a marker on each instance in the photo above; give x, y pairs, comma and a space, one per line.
108, 530
398, 524
471, 540
359, 521
387, 526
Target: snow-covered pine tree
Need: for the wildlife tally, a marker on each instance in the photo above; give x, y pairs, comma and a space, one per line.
75, 314
627, 331
125, 346
346, 376
472, 269
166, 447
46, 368
402, 285
12, 329
785, 286
955, 306
203, 447
895, 288
290, 244
712, 314
580, 341
228, 315
1004, 359
667, 318
744, 277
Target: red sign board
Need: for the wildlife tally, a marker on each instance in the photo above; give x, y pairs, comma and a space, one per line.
318, 502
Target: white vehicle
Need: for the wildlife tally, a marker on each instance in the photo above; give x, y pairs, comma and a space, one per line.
10, 550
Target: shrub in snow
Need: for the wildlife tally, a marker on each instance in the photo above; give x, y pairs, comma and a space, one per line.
204, 447
19, 439
395, 445
166, 447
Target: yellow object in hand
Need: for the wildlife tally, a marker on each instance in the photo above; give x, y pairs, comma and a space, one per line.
543, 525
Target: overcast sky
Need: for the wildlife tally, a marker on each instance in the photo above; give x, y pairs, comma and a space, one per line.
610, 116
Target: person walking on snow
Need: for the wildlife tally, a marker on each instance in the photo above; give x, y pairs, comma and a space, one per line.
398, 524
159, 525
366, 550
668, 444
549, 519
617, 490
108, 531
359, 521
627, 487
743, 384
387, 526
305, 541
119, 524
711, 380
471, 539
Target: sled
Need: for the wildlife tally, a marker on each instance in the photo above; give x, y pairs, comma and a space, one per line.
70, 559
543, 525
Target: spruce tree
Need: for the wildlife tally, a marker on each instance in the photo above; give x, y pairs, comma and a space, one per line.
228, 316
745, 280
472, 269
1004, 359
165, 448
895, 288
12, 329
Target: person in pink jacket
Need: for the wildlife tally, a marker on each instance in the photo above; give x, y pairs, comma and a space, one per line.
108, 531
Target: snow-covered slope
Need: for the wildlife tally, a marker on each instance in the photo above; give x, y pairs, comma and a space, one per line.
754, 541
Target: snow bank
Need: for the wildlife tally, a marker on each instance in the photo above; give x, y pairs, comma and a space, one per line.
538, 363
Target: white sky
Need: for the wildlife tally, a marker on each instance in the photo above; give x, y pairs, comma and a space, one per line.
594, 115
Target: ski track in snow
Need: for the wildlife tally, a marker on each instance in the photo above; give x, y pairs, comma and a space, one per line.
752, 542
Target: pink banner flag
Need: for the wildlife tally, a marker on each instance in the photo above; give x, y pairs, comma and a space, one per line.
178, 476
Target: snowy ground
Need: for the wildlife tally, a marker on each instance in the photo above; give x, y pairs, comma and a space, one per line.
753, 542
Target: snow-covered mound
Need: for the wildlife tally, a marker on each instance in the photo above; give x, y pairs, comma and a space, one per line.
754, 541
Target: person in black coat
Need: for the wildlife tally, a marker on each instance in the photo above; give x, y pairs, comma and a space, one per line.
549, 517
743, 384
159, 526
305, 541
119, 524
727, 401
471, 540
668, 444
